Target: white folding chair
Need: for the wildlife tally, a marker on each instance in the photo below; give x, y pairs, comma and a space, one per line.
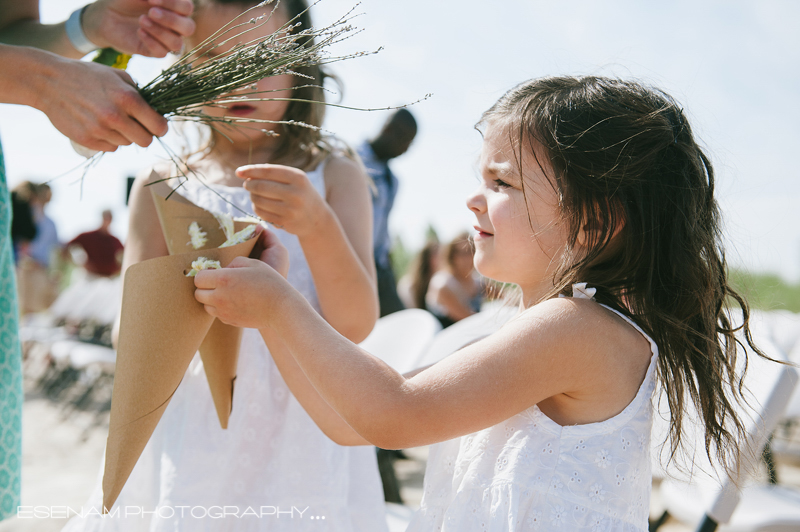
96, 364
398, 516
465, 332
400, 338
708, 501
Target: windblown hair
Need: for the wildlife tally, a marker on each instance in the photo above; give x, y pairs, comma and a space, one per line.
630, 175
297, 141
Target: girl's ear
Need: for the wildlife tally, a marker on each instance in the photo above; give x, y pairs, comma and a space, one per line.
591, 231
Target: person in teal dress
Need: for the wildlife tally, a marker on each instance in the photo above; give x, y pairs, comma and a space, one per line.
94, 105
10, 364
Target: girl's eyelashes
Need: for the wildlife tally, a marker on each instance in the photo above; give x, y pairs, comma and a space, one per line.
499, 183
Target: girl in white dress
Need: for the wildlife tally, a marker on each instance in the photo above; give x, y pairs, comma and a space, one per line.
544, 425
272, 469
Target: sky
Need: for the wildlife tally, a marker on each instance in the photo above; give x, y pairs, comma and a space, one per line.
733, 65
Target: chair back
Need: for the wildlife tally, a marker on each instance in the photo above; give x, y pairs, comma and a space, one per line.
465, 332
400, 338
768, 388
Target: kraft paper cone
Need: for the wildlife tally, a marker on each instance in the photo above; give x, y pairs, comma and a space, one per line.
162, 326
220, 354
220, 350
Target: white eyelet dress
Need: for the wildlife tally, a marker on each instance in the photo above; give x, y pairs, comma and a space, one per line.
272, 458
529, 473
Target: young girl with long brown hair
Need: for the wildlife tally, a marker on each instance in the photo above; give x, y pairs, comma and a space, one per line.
596, 200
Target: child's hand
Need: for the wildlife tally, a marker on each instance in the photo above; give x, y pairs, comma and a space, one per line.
284, 197
270, 250
244, 294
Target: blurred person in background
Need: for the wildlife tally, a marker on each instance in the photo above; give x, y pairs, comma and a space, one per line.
393, 141
94, 105
413, 286
456, 291
23, 225
36, 282
103, 250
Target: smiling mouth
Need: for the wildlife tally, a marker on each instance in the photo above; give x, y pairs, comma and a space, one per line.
241, 109
481, 232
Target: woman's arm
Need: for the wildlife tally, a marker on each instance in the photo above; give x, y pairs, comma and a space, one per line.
94, 105
562, 347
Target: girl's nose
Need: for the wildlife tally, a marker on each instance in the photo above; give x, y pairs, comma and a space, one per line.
476, 202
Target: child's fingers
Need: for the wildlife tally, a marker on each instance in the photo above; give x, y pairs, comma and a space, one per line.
270, 172
270, 211
240, 262
206, 280
268, 189
204, 296
274, 253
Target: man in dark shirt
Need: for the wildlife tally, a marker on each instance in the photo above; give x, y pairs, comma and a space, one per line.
103, 250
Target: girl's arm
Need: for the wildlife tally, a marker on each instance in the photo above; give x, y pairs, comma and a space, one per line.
326, 418
565, 347
335, 233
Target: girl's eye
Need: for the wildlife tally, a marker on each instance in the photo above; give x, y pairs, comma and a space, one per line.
499, 183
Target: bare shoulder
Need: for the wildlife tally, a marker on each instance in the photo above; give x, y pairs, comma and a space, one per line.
342, 170
587, 322
593, 341
607, 355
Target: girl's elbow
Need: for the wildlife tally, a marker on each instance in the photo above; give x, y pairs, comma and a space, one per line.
360, 325
387, 431
358, 332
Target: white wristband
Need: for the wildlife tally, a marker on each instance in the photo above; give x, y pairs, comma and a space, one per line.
75, 32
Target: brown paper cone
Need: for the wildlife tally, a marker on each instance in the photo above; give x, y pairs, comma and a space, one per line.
220, 355
220, 350
161, 328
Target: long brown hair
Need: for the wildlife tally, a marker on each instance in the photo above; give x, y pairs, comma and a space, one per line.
626, 166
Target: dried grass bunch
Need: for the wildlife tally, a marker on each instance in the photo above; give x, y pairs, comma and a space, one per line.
199, 80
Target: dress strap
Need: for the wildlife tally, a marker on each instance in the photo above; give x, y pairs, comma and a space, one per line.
581, 291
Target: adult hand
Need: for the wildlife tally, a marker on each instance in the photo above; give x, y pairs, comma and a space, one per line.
145, 27
284, 197
96, 106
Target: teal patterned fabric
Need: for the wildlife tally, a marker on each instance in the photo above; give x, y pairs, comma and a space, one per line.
10, 364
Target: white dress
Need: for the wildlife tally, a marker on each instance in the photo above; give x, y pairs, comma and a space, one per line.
529, 473
272, 466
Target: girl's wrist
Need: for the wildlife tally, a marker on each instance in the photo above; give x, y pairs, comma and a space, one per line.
319, 230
